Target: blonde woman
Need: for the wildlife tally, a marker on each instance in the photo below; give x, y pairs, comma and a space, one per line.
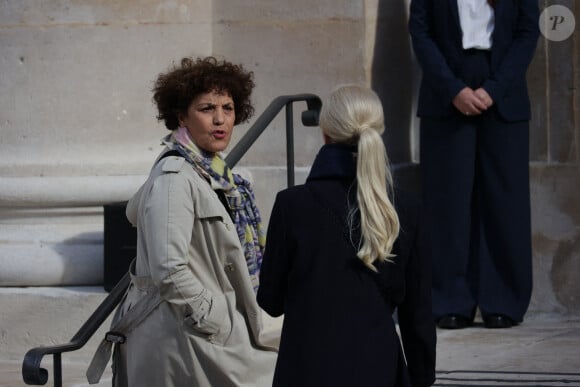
341, 257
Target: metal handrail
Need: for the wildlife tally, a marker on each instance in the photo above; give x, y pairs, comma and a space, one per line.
309, 118
33, 374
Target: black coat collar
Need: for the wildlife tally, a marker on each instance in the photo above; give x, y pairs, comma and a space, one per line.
334, 161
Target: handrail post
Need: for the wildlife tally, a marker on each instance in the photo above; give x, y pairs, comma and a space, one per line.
57, 369
290, 144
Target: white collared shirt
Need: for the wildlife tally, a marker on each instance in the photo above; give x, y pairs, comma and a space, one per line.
477, 21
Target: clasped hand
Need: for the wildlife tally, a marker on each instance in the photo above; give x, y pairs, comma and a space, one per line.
472, 102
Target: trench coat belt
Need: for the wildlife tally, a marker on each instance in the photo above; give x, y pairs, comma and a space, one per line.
133, 317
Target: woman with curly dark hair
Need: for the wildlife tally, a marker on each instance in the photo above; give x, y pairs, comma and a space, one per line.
190, 316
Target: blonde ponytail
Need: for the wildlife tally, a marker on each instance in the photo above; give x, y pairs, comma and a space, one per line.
379, 220
354, 115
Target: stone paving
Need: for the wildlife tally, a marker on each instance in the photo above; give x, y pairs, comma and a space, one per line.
543, 351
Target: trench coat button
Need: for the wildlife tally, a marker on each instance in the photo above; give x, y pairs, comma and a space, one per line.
228, 226
229, 266
211, 338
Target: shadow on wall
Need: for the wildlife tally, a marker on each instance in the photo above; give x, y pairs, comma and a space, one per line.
395, 76
82, 259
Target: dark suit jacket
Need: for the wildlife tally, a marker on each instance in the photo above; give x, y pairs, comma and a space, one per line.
436, 36
338, 327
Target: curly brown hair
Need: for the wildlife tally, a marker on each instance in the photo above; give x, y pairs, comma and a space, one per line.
175, 90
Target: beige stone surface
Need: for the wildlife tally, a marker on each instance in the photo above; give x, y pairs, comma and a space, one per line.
43, 316
297, 47
77, 77
542, 343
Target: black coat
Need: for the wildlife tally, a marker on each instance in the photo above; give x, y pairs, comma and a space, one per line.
338, 328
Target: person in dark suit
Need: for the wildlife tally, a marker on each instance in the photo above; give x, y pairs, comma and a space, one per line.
475, 112
340, 258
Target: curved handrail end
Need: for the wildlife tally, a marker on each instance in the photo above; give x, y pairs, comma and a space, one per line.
32, 373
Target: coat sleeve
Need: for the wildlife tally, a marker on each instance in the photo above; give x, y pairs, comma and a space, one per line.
167, 218
275, 263
436, 71
415, 313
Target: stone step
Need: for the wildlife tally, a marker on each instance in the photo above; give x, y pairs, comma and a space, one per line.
43, 316
37, 316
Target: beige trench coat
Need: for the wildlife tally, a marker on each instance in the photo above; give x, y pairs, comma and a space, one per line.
206, 331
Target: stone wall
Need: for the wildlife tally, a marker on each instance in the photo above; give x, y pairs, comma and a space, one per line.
554, 80
77, 126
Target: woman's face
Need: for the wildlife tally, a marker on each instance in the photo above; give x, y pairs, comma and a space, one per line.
210, 121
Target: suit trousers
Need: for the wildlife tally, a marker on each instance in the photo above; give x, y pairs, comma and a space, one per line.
475, 179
